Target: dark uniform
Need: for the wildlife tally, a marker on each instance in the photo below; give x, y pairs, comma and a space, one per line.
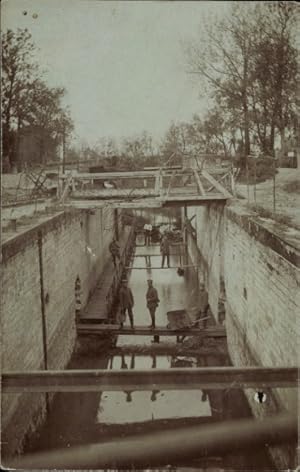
152, 303
165, 251
203, 304
126, 303
147, 232
114, 250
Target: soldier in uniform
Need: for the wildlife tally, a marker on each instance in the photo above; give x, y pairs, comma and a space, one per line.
126, 302
165, 250
114, 249
152, 301
203, 304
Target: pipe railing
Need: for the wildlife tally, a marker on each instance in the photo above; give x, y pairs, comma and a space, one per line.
167, 447
143, 380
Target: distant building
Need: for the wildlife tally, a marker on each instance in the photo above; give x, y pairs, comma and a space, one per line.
35, 147
289, 154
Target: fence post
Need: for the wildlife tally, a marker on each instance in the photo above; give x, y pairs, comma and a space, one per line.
274, 186
247, 174
254, 182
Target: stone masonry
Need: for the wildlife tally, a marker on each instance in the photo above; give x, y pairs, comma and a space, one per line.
260, 274
73, 243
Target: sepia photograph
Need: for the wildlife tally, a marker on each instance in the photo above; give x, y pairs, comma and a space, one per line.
150, 235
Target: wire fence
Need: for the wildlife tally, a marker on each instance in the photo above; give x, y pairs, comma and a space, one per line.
259, 185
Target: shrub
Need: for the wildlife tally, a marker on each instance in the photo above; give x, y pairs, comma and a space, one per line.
265, 213
265, 170
292, 187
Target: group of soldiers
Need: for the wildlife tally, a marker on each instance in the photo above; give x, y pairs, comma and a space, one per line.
114, 249
127, 302
125, 294
152, 301
126, 298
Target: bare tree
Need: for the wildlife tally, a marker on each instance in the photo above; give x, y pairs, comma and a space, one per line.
28, 104
222, 58
275, 75
19, 72
248, 63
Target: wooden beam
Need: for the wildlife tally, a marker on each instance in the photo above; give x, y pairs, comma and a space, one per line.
161, 189
199, 183
108, 194
66, 190
146, 203
155, 255
185, 199
157, 182
189, 201
219, 181
94, 328
139, 174
152, 202
216, 184
144, 451
170, 182
110, 175
166, 348
159, 267
143, 197
98, 380
96, 204
167, 169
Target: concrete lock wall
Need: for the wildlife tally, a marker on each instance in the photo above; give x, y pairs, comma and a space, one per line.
256, 272
71, 244
205, 245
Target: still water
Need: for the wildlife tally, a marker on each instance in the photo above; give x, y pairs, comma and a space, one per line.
82, 418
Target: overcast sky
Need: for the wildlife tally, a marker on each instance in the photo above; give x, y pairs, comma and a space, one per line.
121, 63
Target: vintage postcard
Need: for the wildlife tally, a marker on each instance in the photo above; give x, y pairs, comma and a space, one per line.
150, 235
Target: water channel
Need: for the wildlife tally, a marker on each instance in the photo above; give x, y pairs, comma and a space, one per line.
82, 418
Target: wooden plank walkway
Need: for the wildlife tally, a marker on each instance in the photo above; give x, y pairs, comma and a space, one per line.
96, 308
159, 267
89, 328
160, 379
166, 349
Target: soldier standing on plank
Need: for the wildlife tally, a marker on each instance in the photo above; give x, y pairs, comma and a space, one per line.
165, 250
203, 303
126, 302
114, 249
147, 232
152, 301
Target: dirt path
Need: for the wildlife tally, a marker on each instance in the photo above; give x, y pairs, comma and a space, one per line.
287, 196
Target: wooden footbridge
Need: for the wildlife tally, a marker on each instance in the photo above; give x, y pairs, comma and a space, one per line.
145, 189
97, 328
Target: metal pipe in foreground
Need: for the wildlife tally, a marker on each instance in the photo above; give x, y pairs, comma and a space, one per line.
165, 448
161, 379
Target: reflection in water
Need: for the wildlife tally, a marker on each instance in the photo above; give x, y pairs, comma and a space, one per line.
177, 361
115, 408
151, 406
154, 392
204, 396
124, 366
